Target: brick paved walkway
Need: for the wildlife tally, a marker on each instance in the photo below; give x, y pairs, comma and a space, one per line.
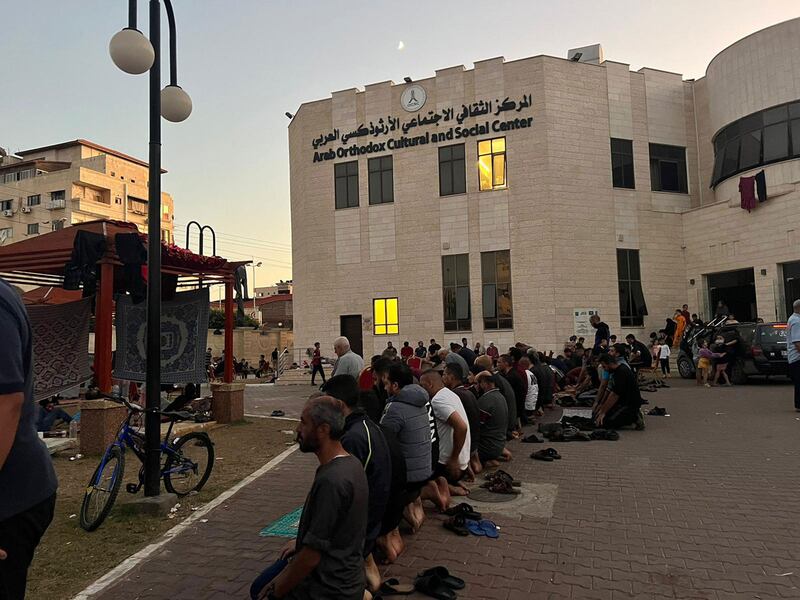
703, 504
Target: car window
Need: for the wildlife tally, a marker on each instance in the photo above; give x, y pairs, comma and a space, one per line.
746, 334
772, 334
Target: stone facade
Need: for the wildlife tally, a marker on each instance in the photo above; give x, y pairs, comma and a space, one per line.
95, 183
560, 216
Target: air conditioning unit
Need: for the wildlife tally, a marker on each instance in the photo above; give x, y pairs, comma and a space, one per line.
26, 209
8, 213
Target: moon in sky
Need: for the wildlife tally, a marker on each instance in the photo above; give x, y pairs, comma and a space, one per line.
401, 45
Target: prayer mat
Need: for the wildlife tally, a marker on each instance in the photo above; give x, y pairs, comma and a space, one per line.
60, 346
483, 495
184, 333
286, 526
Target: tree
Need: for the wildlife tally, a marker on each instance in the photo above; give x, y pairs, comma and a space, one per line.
216, 320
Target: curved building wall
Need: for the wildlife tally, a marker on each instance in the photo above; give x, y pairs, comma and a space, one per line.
756, 72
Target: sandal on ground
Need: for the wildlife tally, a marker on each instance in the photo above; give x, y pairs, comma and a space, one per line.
393, 587
451, 581
457, 525
501, 475
553, 453
463, 510
500, 486
489, 528
542, 455
278, 413
433, 586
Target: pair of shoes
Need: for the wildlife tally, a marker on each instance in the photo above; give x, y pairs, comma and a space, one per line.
463, 510
438, 583
547, 455
657, 411
604, 434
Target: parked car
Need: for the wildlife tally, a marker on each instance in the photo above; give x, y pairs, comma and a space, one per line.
759, 349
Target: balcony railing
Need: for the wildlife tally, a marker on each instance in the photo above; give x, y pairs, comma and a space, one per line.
57, 204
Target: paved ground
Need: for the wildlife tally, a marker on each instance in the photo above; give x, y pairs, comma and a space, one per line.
703, 504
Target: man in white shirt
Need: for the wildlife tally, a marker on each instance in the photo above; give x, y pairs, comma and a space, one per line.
793, 351
452, 426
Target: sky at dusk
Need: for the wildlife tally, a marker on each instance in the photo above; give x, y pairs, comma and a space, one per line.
246, 62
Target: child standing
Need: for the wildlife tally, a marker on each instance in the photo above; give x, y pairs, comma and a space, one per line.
704, 364
663, 358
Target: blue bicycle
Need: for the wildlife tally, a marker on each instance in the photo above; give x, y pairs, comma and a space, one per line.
187, 462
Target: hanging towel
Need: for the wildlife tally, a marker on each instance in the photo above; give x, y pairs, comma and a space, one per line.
761, 186
748, 193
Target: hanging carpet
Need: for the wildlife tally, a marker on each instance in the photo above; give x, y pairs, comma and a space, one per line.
184, 332
60, 346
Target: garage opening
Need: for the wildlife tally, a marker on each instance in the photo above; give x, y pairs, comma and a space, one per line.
736, 290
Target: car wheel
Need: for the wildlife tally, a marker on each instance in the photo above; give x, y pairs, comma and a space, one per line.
685, 368
738, 376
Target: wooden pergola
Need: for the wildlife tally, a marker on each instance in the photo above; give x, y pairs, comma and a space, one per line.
41, 260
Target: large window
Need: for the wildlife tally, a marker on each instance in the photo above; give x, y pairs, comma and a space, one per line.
345, 177
761, 138
381, 180
455, 291
57, 225
492, 164
632, 307
622, 163
452, 170
6, 204
668, 169
496, 286
34, 200
33, 228
385, 318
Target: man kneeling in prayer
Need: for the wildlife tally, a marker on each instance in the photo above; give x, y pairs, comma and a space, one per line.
325, 560
494, 420
622, 405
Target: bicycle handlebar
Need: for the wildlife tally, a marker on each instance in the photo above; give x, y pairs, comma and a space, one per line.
121, 400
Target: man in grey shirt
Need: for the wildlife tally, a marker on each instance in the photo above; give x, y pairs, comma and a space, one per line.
348, 363
325, 561
27, 479
494, 420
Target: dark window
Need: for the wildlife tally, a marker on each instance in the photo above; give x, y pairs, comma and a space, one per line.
35, 200
58, 195
764, 137
622, 163
668, 168
6, 204
381, 180
455, 292
776, 142
496, 290
452, 170
632, 307
57, 225
345, 176
33, 228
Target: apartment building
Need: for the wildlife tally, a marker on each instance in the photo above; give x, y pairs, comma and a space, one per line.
47, 188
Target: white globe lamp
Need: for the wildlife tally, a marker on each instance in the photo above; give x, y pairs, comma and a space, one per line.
131, 51
176, 105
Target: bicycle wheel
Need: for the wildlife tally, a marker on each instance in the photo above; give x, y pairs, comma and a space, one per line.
102, 490
189, 465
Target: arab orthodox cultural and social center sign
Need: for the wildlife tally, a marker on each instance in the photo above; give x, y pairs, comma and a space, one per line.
413, 98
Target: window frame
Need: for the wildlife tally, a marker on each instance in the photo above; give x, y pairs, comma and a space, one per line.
628, 316
29, 200
681, 173
347, 177
450, 165
33, 229
380, 195
782, 117
7, 204
384, 322
493, 154
615, 153
460, 281
491, 282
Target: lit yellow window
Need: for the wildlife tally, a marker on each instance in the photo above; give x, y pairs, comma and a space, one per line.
492, 164
385, 316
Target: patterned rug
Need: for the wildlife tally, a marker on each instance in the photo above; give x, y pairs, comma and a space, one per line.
184, 332
285, 526
60, 346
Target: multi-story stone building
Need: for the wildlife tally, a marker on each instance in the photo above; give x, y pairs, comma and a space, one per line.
506, 201
45, 189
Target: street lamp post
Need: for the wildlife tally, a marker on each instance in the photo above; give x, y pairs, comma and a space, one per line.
134, 54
